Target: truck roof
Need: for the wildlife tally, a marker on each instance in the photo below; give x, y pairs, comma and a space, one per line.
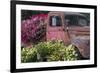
74, 13
67, 13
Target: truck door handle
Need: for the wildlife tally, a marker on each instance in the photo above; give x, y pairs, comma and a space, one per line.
63, 29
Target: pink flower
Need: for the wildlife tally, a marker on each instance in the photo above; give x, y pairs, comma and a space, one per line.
29, 28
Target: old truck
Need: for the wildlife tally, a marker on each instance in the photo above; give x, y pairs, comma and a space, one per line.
71, 28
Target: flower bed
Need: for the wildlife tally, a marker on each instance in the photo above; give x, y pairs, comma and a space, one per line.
49, 51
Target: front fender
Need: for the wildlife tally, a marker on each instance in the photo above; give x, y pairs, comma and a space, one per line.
83, 46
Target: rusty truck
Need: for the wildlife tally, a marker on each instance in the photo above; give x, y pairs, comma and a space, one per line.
72, 28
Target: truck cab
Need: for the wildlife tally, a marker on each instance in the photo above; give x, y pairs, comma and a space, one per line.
71, 28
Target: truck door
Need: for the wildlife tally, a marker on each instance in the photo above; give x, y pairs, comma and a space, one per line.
55, 28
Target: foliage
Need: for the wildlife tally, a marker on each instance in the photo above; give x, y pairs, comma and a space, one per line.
70, 53
28, 55
61, 52
49, 51
32, 29
25, 14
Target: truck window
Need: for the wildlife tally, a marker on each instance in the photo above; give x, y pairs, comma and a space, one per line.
73, 20
55, 21
82, 21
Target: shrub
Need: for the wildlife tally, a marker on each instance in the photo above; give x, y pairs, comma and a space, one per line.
44, 49
49, 51
61, 52
32, 29
28, 55
70, 53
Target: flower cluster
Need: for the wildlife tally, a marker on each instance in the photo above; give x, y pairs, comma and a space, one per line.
32, 28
